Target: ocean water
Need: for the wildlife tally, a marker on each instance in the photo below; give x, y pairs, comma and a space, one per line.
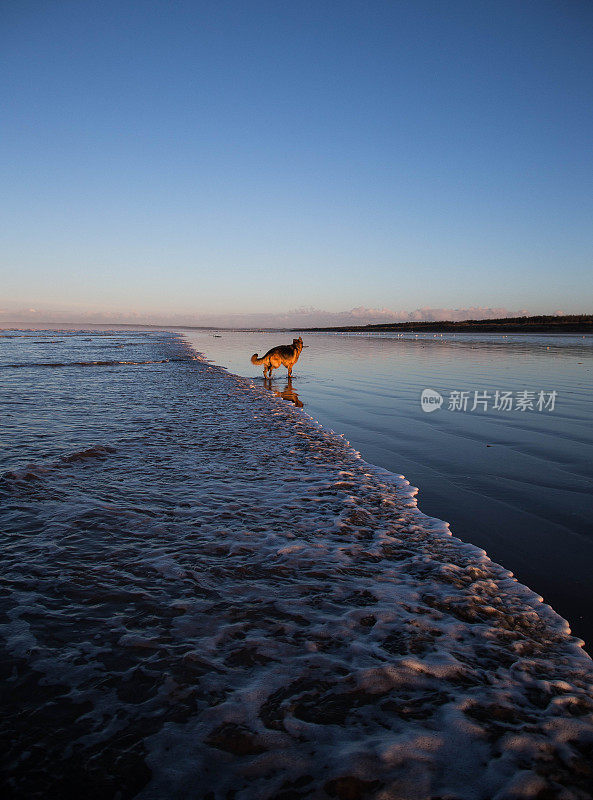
517, 483
206, 594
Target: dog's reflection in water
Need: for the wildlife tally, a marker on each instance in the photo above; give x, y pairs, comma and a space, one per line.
288, 393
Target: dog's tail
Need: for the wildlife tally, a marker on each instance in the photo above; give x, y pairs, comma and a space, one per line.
256, 360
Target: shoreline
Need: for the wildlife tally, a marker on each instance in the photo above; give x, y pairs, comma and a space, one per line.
408, 495
514, 484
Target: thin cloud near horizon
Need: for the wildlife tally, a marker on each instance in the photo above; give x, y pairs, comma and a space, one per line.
294, 318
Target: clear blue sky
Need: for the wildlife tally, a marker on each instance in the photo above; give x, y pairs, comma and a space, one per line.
192, 157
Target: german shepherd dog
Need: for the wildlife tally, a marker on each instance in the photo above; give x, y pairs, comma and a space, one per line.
287, 354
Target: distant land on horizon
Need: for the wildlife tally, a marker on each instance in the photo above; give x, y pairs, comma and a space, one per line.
570, 323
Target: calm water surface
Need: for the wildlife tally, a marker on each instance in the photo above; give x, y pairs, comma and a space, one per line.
518, 484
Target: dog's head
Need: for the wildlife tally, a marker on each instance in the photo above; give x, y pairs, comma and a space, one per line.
298, 343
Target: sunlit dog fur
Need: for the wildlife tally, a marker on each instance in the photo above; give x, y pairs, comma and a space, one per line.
287, 354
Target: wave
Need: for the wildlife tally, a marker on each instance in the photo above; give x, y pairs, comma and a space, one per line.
37, 471
110, 363
97, 451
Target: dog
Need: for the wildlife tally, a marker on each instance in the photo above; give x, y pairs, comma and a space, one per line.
287, 354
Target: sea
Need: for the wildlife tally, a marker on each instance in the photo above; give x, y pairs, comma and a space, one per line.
215, 586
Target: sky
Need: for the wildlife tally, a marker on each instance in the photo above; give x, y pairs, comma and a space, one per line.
216, 162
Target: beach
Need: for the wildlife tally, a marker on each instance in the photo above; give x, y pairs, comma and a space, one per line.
206, 593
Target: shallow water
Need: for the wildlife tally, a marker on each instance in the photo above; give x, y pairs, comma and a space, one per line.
519, 484
206, 594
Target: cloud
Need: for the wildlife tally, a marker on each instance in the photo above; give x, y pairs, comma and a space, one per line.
295, 318
361, 315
